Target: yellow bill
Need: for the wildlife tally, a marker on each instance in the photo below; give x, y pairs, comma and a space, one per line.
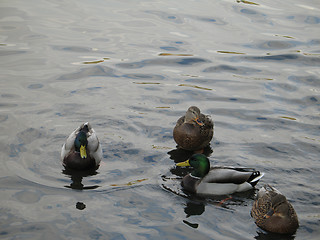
183, 164
83, 152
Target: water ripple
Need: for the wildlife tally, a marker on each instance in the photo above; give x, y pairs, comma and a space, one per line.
132, 69
79, 49
96, 70
166, 16
296, 59
233, 69
164, 62
308, 80
144, 76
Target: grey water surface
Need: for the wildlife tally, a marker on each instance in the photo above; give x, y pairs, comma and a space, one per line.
132, 68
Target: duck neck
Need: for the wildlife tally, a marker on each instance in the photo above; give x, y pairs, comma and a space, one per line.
81, 140
195, 177
201, 171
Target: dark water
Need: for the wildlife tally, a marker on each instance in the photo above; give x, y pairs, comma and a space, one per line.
132, 68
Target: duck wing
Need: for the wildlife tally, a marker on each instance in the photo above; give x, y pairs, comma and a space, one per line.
180, 121
93, 141
272, 212
69, 144
206, 119
233, 175
94, 146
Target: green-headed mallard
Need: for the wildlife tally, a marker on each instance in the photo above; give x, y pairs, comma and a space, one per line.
218, 180
82, 150
194, 130
272, 212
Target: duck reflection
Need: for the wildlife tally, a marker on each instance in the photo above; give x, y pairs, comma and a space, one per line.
263, 235
80, 205
181, 155
195, 205
77, 177
193, 208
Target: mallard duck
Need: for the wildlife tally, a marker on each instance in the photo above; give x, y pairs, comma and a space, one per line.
272, 212
194, 130
82, 149
218, 180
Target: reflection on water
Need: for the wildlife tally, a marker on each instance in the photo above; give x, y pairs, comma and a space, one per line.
194, 208
132, 68
181, 155
76, 178
92, 71
80, 205
189, 61
262, 235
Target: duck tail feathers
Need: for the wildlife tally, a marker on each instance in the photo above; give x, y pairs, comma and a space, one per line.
255, 177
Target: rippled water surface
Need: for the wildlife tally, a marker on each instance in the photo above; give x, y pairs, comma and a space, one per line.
132, 68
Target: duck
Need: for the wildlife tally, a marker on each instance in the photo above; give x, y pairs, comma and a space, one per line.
217, 180
194, 130
273, 213
82, 149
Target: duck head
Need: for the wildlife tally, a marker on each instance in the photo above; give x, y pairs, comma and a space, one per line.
193, 116
81, 143
199, 162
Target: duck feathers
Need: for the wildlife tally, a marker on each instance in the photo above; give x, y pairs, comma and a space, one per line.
194, 130
227, 180
272, 212
71, 158
217, 180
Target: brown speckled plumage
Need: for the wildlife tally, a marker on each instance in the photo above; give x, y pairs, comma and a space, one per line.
189, 134
272, 212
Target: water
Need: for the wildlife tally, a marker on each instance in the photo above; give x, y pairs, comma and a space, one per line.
132, 68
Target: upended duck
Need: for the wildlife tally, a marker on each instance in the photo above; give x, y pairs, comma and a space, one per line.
218, 180
194, 130
82, 149
272, 212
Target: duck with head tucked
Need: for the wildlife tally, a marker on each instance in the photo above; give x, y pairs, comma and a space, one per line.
194, 130
218, 180
272, 212
82, 149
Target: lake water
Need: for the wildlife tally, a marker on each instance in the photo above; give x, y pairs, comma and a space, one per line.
132, 68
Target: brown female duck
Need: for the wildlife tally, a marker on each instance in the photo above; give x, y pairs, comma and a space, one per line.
272, 212
194, 130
